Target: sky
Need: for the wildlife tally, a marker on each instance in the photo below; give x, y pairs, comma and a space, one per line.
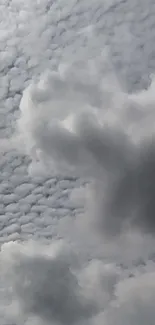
77, 227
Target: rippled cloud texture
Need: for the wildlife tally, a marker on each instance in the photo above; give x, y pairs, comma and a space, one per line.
77, 162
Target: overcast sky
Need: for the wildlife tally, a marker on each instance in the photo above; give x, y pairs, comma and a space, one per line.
77, 161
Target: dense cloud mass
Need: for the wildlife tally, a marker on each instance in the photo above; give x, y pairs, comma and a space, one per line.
78, 120
52, 285
77, 229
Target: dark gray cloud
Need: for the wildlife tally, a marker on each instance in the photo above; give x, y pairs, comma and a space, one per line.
48, 289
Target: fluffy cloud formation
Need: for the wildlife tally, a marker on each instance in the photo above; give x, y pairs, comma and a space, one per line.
51, 284
134, 304
78, 121
44, 284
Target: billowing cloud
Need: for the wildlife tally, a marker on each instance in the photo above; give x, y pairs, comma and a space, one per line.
134, 304
51, 284
78, 121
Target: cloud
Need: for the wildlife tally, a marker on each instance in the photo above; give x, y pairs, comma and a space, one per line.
46, 284
78, 121
50, 283
95, 130
134, 304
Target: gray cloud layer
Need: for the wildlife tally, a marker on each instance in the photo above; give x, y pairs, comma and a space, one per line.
85, 282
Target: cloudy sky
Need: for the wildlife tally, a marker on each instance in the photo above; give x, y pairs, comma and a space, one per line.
77, 173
